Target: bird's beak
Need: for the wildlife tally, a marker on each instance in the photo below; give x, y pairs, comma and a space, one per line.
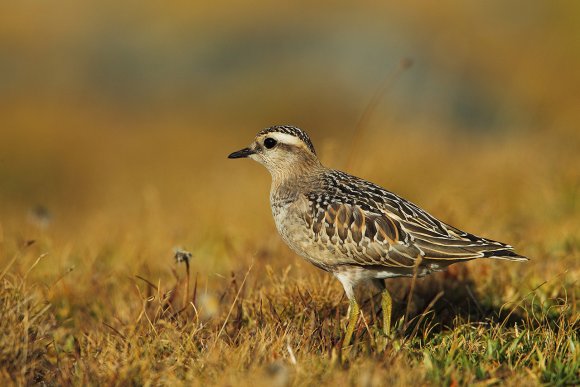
242, 153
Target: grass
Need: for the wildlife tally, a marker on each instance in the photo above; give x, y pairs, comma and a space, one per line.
283, 330
91, 294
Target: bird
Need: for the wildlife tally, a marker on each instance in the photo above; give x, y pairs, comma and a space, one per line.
353, 228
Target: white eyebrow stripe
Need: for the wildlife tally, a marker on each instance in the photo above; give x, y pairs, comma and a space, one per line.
286, 138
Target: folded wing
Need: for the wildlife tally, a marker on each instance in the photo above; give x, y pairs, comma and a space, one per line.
390, 237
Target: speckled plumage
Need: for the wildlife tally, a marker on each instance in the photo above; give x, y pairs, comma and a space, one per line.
351, 227
362, 224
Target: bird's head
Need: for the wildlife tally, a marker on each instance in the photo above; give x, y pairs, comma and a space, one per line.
283, 150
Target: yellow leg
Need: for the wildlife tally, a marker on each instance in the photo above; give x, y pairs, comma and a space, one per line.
387, 305
354, 311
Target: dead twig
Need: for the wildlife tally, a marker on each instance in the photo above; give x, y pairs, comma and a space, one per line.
364, 119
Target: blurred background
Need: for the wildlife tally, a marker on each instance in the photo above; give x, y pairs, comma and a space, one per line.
116, 118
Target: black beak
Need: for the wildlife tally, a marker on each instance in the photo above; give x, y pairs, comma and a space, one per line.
242, 153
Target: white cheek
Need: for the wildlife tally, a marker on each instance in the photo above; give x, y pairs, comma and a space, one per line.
257, 157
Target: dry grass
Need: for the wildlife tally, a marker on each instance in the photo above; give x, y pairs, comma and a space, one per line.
95, 296
284, 330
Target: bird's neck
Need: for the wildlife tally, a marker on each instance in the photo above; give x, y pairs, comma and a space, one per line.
292, 182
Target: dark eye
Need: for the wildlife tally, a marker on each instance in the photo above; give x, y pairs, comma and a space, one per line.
270, 143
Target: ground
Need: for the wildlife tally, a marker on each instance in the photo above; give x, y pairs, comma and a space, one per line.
90, 291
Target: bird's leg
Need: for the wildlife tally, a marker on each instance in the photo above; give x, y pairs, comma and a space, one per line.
353, 313
387, 305
348, 282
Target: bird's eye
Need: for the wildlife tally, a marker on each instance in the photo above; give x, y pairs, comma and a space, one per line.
270, 143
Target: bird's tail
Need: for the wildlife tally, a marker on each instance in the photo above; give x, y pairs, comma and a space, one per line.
506, 254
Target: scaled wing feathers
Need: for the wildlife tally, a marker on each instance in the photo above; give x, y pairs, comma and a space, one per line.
372, 226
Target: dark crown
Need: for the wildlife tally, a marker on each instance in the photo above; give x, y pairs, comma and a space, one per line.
291, 130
